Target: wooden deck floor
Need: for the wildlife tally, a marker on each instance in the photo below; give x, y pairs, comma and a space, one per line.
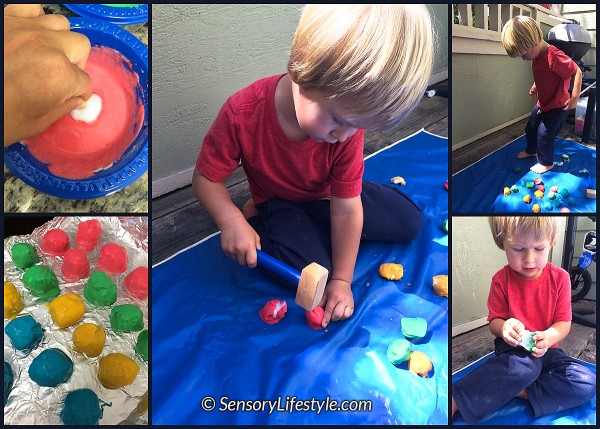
178, 220
472, 345
473, 152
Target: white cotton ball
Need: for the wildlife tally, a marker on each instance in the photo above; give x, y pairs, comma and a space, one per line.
89, 113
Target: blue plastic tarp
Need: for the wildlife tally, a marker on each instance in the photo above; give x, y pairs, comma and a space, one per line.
210, 348
479, 187
518, 411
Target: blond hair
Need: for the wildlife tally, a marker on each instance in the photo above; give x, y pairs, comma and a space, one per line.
534, 228
520, 34
378, 57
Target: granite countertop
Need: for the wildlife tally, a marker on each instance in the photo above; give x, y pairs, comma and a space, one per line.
21, 198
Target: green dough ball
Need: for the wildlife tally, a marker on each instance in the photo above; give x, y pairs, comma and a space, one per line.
527, 340
41, 281
529, 185
565, 157
82, 407
100, 290
445, 226
514, 189
413, 327
141, 346
126, 318
516, 169
398, 351
50, 368
24, 255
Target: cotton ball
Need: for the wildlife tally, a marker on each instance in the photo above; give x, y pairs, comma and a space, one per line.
89, 113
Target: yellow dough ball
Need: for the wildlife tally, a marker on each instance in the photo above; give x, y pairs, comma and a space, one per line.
89, 339
391, 271
117, 370
440, 285
13, 303
66, 310
419, 364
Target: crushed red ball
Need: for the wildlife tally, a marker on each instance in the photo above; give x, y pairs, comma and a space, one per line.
273, 311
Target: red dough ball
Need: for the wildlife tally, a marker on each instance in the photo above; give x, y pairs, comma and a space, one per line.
273, 311
541, 188
537, 181
315, 318
113, 258
446, 185
75, 265
55, 242
88, 235
136, 283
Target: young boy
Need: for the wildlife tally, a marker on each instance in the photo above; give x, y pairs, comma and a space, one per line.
299, 137
527, 294
552, 73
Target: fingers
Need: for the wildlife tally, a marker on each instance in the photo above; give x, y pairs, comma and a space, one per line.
336, 311
60, 111
53, 22
251, 258
75, 46
24, 10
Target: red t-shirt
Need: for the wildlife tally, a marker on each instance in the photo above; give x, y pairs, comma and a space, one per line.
247, 130
536, 303
552, 72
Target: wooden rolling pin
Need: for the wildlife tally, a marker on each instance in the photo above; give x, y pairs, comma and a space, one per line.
311, 280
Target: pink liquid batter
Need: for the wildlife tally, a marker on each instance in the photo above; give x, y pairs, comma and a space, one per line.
75, 149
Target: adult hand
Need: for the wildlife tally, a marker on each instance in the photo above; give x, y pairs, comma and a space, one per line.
511, 331
337, 301
43, 71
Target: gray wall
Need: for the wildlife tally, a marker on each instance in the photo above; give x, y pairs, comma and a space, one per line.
475, 259
201, 54
487, 90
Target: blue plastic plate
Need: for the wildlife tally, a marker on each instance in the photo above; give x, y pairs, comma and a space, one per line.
134, 161
116, 15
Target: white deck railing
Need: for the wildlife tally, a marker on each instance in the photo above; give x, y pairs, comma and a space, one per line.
479, 26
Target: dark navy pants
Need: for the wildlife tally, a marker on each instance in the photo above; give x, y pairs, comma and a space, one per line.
540, 132
300, 233
554, 382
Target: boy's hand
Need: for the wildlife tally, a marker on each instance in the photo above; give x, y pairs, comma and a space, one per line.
511, 331
239, 241
571, 103
541, 345
533, 91
337, 301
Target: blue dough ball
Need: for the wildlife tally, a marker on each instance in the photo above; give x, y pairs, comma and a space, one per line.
51, 368
548, 206
24, 332
82, 407
9, 378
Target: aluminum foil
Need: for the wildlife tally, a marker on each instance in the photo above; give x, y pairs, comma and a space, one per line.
29, 403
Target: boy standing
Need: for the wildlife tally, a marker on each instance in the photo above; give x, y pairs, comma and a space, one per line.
552, 73
527, 294
299, 137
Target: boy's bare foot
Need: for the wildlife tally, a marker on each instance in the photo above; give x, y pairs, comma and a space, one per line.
541, 169
522, 394
249, 209
524, 154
